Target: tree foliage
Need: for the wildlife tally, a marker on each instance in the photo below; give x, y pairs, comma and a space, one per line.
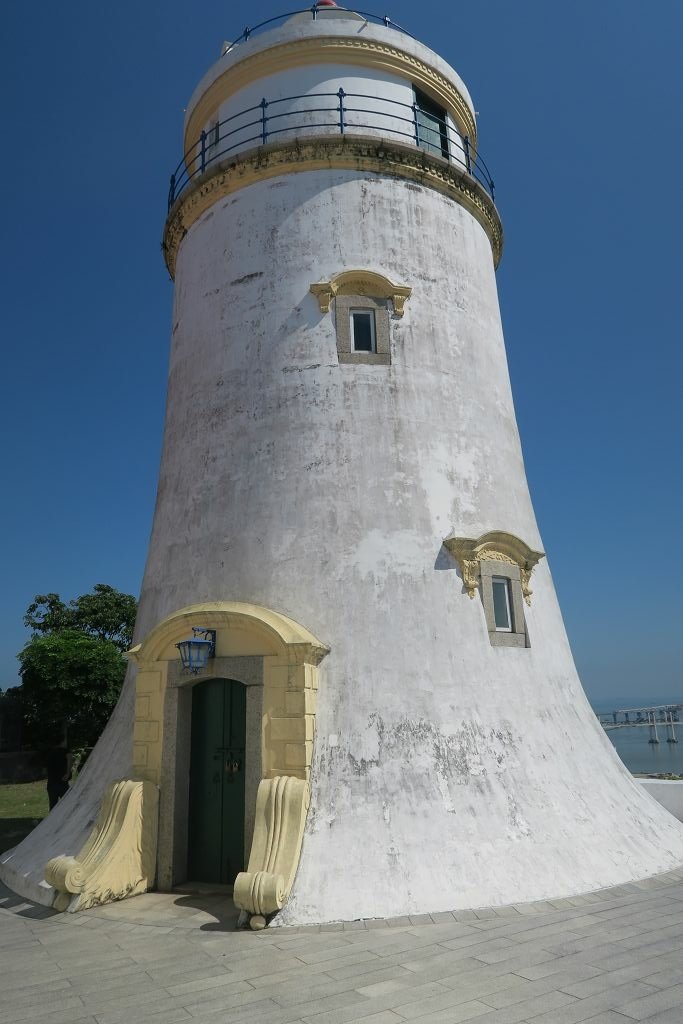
72, 668
69, 679
106, 613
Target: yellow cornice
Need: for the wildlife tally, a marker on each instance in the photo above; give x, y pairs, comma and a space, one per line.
221, 615
496, 546
350, 152
330, 50
361, 282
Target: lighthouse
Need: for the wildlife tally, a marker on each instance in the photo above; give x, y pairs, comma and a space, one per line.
351, 693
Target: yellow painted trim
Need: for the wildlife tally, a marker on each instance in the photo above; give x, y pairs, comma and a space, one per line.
499, 546
350, 152
291, 654
356, 51
281, 807
119, 856
226, 615
361, 282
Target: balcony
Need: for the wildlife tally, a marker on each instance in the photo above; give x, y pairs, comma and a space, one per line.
328, 113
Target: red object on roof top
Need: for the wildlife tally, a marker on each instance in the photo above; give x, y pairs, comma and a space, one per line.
326, 3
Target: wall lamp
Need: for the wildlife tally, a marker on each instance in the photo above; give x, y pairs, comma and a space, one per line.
195, 652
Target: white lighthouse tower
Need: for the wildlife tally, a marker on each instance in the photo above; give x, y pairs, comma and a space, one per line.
385, 717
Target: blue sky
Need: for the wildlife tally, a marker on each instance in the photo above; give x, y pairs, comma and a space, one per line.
579, 120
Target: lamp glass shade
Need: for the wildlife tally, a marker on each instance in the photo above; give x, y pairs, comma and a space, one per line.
195, 654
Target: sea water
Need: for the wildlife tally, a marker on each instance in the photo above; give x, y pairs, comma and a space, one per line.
642, 757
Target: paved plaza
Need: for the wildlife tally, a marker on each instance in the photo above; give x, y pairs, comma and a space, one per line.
609, 957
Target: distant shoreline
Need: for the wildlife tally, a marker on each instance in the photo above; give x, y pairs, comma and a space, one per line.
661, 776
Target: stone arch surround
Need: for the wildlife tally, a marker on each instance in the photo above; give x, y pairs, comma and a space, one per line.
274, 657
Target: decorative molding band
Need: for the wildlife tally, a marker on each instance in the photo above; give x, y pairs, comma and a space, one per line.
308, 654
497, 546
330, 152
227, 615
281, 807
361, 282
331, 50
119, 857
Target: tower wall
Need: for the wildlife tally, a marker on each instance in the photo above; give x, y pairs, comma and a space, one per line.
299, 456
290, 46
447, 773
311, 57
304, 101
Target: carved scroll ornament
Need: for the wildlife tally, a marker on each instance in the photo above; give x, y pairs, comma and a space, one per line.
498, 546
361, 282
119, 857
281, 806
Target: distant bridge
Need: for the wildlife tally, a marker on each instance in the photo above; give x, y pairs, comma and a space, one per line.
666, 715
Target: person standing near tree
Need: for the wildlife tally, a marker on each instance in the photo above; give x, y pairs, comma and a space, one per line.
58, 773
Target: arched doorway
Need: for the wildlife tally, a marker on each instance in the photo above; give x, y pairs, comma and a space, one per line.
217, 781
275, 659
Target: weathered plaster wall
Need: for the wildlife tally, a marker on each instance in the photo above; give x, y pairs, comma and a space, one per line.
447, 773
376, 104
302, 29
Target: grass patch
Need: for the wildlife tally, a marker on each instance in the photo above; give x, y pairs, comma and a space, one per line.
22, 806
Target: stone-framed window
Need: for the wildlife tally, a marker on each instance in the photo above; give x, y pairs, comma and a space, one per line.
367, 294
351, 315
501, 595
499, 565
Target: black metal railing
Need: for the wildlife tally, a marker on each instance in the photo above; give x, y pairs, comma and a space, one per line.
316, 13
329, 113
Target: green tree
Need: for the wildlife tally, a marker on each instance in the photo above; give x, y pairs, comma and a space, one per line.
71, 668
106, 613
70, 682
47, 613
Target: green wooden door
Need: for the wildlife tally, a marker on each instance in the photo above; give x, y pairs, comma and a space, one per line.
216, 812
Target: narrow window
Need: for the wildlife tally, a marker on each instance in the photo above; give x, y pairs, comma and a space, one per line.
501, 604
362, 327
430, 125
363, 330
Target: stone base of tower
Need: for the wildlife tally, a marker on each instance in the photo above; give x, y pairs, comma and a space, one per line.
421, 817
429, 877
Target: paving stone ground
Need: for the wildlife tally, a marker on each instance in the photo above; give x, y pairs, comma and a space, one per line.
611, 957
